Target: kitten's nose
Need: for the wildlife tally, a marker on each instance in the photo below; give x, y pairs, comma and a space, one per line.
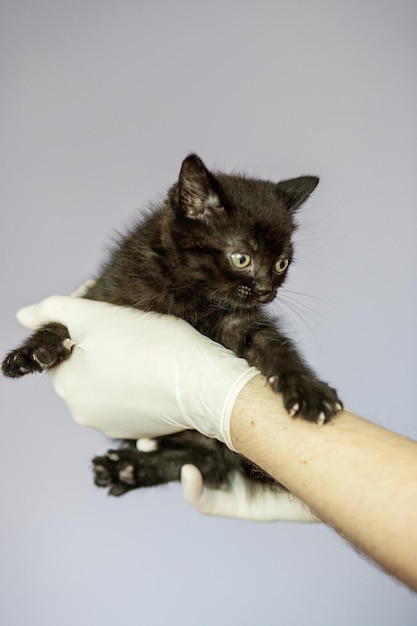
263, 286
264, 293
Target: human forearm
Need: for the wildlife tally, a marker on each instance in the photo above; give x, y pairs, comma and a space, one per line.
358, 477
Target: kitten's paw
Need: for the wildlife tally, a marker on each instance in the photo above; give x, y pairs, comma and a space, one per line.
47, 347
303, 395
31, 358
110, 473
18, 364
118, 471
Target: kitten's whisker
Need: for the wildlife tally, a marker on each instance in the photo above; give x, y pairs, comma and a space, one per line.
311, 311
313, 314
304, 323
282, 318
286, 291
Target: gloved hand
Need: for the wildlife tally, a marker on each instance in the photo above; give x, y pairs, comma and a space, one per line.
240, 502
133, 374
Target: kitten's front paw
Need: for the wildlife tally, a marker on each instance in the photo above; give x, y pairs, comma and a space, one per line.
32, 357
18, 363
21, 362
303, 395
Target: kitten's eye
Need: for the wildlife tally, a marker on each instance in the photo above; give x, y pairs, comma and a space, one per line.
281, 265
240, 260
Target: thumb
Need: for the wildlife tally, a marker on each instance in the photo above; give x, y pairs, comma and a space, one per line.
63, 309
49, 310
192, 484
205, 500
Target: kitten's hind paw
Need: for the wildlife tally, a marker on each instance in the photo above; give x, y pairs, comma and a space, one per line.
130, 468
110, 473
116, 471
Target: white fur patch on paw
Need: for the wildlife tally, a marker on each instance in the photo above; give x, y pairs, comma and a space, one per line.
113, 456
146, 445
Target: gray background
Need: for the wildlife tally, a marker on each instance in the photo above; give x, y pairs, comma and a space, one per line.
100, 102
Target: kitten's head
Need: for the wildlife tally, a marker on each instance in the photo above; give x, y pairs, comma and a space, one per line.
233, 234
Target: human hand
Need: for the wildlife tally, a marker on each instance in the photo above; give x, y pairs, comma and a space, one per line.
133, 374
263, 505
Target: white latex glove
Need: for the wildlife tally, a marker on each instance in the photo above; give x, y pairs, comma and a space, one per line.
133, 374
265, 505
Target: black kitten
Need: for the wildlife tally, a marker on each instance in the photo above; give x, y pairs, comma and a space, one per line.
214, 253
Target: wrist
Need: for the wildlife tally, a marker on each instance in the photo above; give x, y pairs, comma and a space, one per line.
255, 407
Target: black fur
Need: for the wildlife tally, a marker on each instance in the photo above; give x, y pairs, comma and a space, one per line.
213, 253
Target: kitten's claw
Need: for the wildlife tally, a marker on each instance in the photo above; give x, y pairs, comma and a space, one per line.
37, 360
294, 409
321, 419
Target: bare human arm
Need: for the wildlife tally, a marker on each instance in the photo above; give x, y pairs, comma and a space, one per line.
358, 477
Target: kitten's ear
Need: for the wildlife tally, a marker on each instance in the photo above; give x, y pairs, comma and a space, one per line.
296, 190
197, 190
